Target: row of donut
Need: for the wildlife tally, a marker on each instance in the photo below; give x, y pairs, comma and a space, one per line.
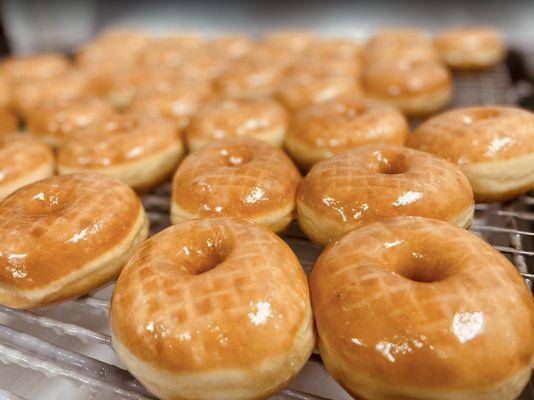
232, 174
169, 76
405, 307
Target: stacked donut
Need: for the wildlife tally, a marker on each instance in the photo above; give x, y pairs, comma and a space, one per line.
398, 302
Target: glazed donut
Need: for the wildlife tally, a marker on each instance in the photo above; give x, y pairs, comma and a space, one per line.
140, 151
64, 236
238, 177
213, 308
322, 130
33, 68
23, 160
396, 45
176, 103
493, 145
8, 121
470, 48
170, 51
121, 47
260, 118
327, 49
303, 86
380, 181
56, 122
292, 41
415, 308
204, 64
253, 75
415, 87
69, 86
231, 46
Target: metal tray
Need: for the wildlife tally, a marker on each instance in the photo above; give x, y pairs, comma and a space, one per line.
65, 350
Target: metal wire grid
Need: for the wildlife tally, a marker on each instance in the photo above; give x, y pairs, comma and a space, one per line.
57, 329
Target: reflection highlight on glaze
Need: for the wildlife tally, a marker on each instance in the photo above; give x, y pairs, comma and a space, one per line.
467, 325
407, 198
263, 312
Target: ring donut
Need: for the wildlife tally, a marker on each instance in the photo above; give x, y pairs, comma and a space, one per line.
379, 181
238, 177
140, 151
322, 130
64, 236
494, 146
261, 118
470, 47
33, 68
194, 313
415, 308
23, 160
56, 122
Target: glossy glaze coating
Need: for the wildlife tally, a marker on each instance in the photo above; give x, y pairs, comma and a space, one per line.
232, 45
55, 228
256, 74
261, 118
8, 121
170, 51
307, 84
28, 95
293, 41
322, 130
326, 49
212, 308
57, 122
493, 145
400, 44
32, 68
114, 47
477, 134
380, 181
176, 103
23, 160
122, 139
413, 308
470, 47
236, 176
204, 64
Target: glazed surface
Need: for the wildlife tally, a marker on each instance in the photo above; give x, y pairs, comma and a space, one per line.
209, 295
417, 308
477, 134
235, 176
54, 227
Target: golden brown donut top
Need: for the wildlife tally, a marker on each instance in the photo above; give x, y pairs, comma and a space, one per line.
57, 226
130, 80
8, 121
237, 117
309, 85
347, 122
294, 41
5, 92
21, 155
64, 119
400, 44
477, 134
209, 295
170, 51
32, 68
467, 39
405, 78
333, 48
419, 302
251, 73
235, 176
203, 64
121, 139
30, 94
399, 37
379, 181
232, 45
176, 103
119, 46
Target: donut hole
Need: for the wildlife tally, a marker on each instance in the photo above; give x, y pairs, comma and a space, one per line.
481, 114
235, 156
393, 165
205, 257
419, 268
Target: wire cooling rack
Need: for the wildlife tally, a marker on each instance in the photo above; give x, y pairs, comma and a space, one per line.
65, 349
